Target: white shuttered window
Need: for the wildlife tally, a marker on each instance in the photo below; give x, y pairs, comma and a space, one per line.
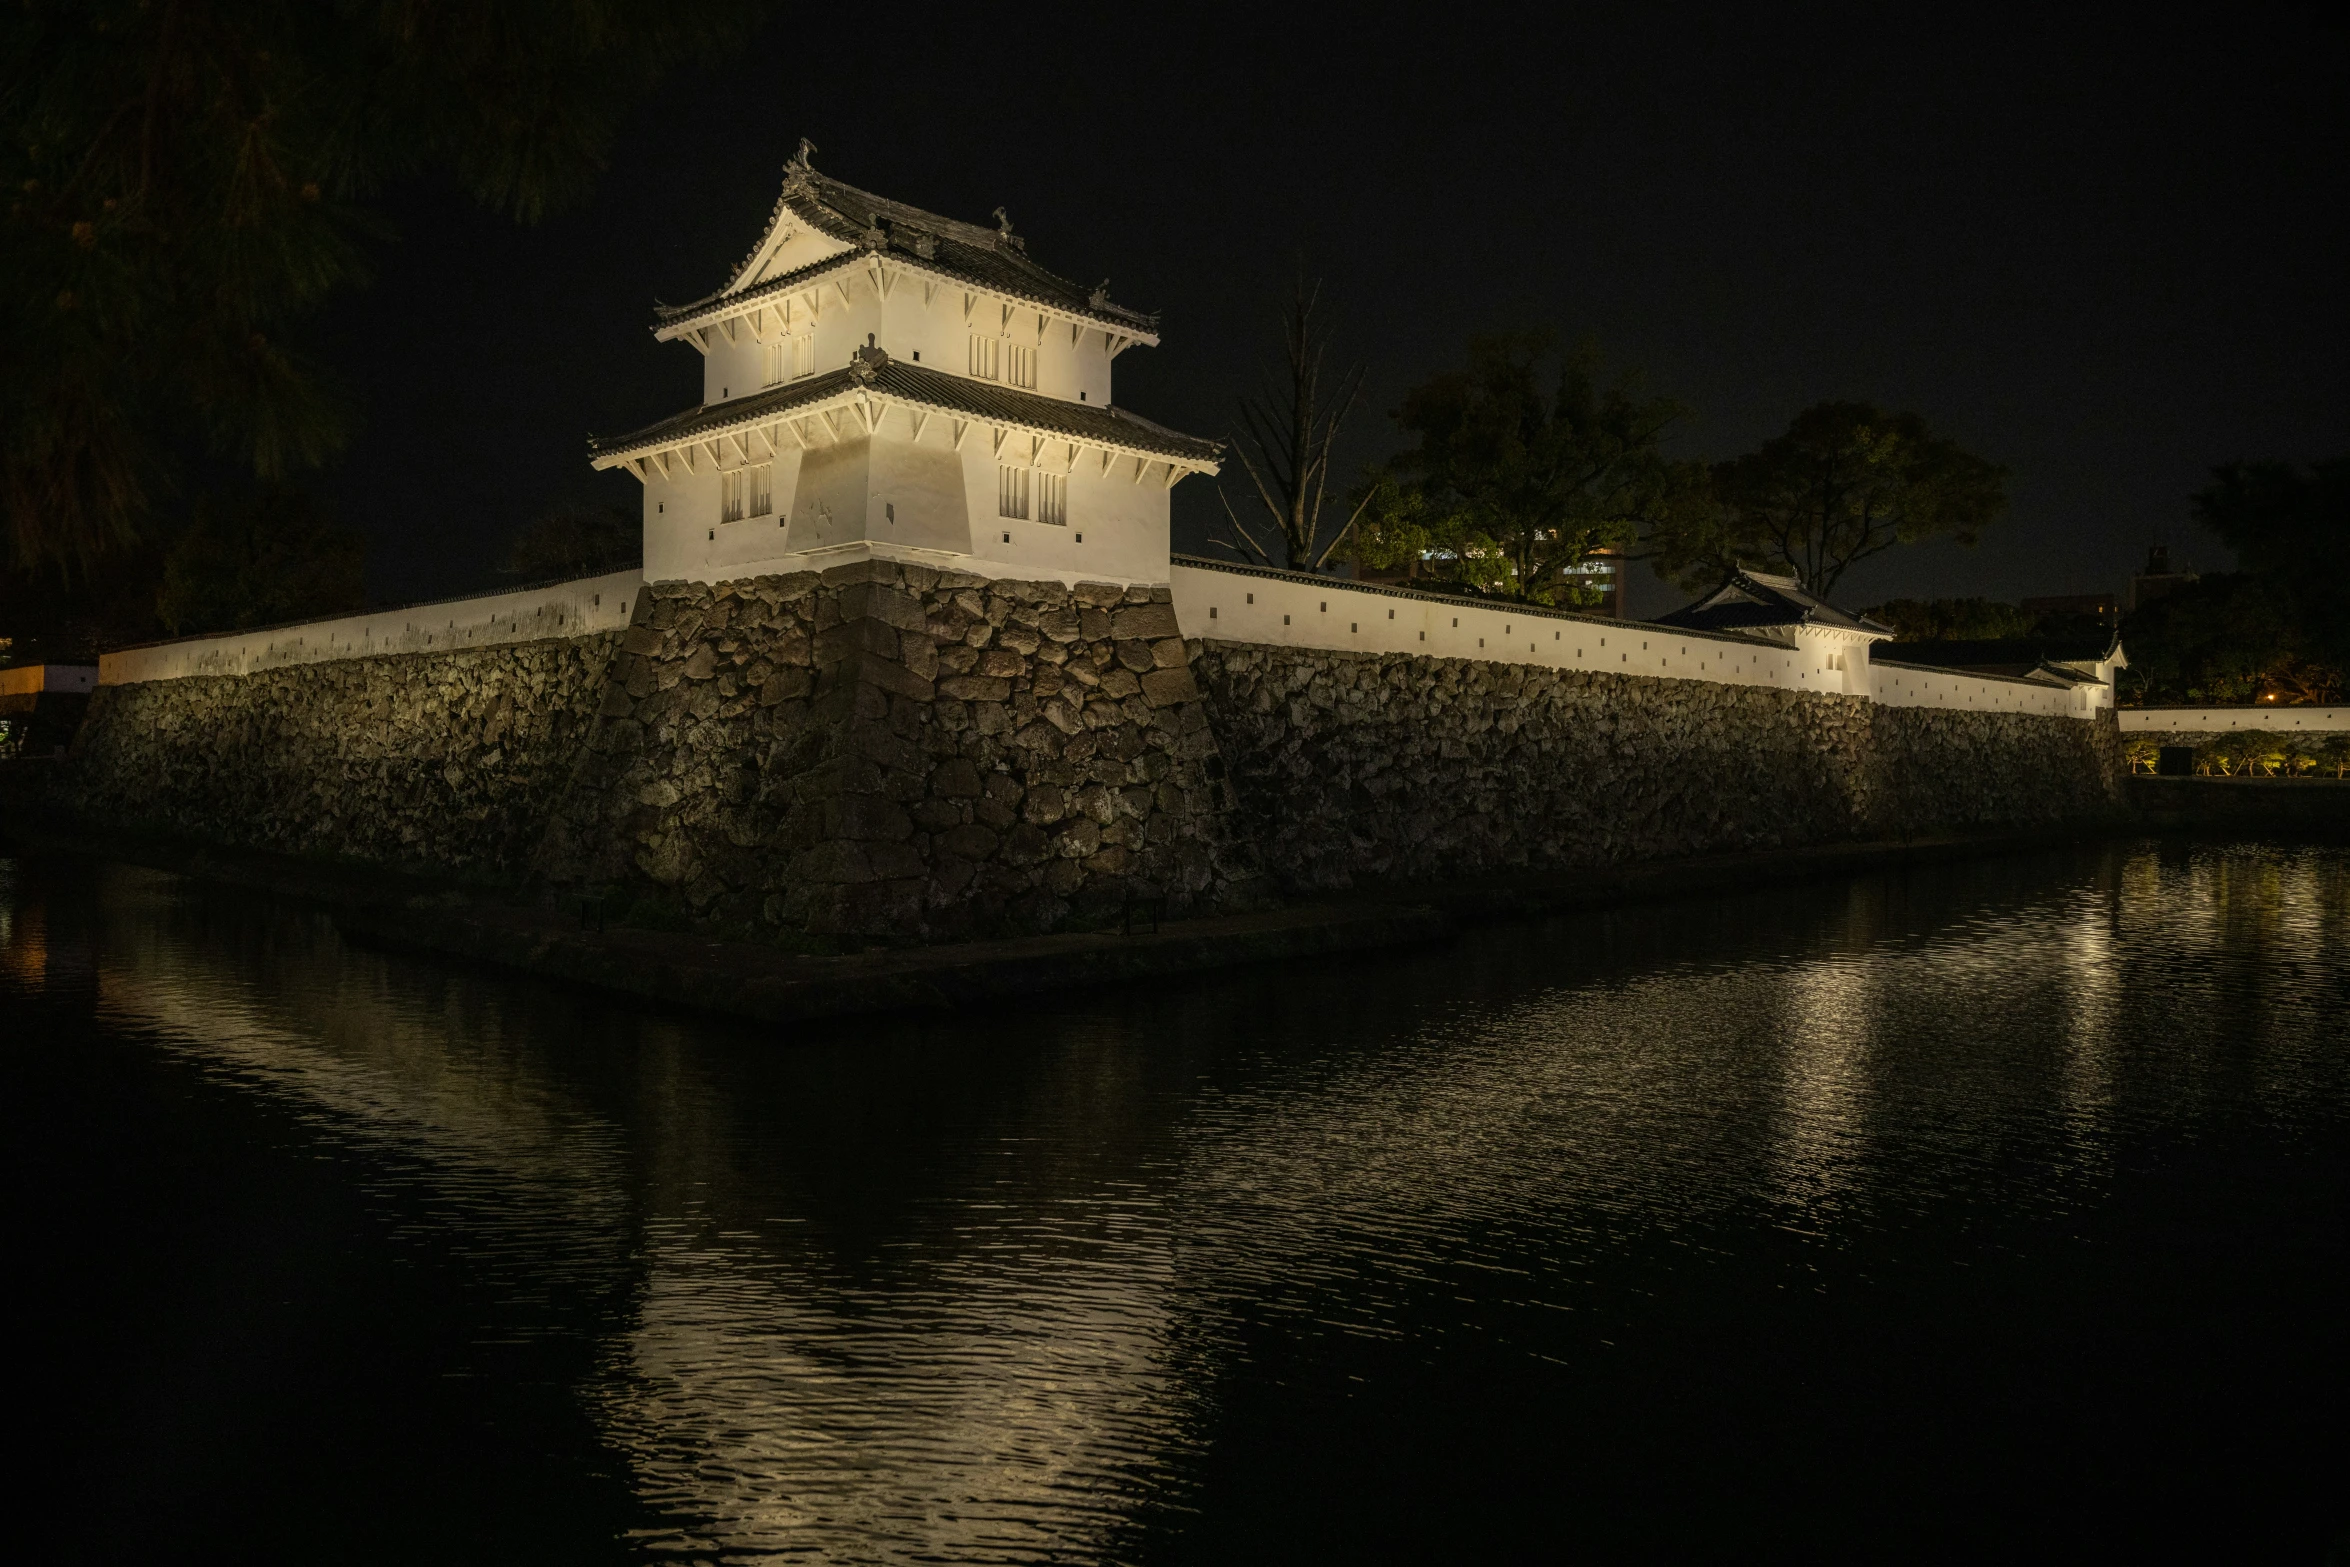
1011, 492
730, 496
1020, 365
803, 355
983, 357
762, 487
776, 359
1052, 499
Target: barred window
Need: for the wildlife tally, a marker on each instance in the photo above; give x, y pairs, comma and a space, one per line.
803, 355
983, 357
1052, 499
1020, 365
730, 496
776, 358
1011, 492
762, 487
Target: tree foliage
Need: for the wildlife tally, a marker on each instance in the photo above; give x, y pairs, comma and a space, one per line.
2276, 631
1846, 482
577, 541
273, 555
1528, 461
1955, 620
2290, 527
184, 183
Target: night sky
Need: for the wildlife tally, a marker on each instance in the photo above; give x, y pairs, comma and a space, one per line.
2107, 256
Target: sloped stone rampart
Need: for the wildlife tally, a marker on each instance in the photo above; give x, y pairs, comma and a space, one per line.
890, 750
884, 750
445, 762
1389, 766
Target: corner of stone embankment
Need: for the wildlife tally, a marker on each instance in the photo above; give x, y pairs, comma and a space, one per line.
888, 750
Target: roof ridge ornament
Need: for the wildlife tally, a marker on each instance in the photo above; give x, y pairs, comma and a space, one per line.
867, 363
800, 160
1100, 297
1004, 237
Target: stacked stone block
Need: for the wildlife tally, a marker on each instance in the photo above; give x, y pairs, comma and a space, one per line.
1353, 767
449, 763
887, 750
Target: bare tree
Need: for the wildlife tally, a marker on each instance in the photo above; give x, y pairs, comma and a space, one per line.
1284, 439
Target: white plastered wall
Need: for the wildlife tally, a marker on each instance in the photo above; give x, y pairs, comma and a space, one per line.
923, 498
1286, 611
2219, 720
565, 609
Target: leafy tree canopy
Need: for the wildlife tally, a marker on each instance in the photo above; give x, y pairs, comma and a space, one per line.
2290, 527
184, 181
274, 555
1528, 461
2224, 641
1955, 620
1847, 481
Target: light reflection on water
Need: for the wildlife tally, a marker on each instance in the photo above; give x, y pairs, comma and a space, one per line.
978, 1292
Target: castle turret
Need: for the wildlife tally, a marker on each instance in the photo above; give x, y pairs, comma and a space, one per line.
882, 381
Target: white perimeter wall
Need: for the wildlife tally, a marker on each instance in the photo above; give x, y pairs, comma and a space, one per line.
565, 609
33, 679
2218, 720
1241, 605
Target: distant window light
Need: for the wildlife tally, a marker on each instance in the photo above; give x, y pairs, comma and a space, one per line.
1052, 499
1020, 365
1011, 492
983, 357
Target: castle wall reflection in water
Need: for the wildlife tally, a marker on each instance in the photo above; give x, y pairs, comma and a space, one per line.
1635, 1230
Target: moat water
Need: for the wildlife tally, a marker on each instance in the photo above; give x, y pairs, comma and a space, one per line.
1988, 1212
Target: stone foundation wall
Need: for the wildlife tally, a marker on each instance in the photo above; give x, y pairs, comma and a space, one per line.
889, 750
440, 762
1354, 766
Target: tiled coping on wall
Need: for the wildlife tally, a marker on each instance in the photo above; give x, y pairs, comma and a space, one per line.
2219, 720
1233, 603
580, 607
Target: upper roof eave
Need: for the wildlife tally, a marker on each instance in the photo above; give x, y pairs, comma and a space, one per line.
675, 321
879, 377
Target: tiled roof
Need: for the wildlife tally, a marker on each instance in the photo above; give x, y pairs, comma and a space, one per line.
992, 259
1751, 599
876, 373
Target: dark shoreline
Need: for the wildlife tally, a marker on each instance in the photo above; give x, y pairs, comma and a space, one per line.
765, 983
